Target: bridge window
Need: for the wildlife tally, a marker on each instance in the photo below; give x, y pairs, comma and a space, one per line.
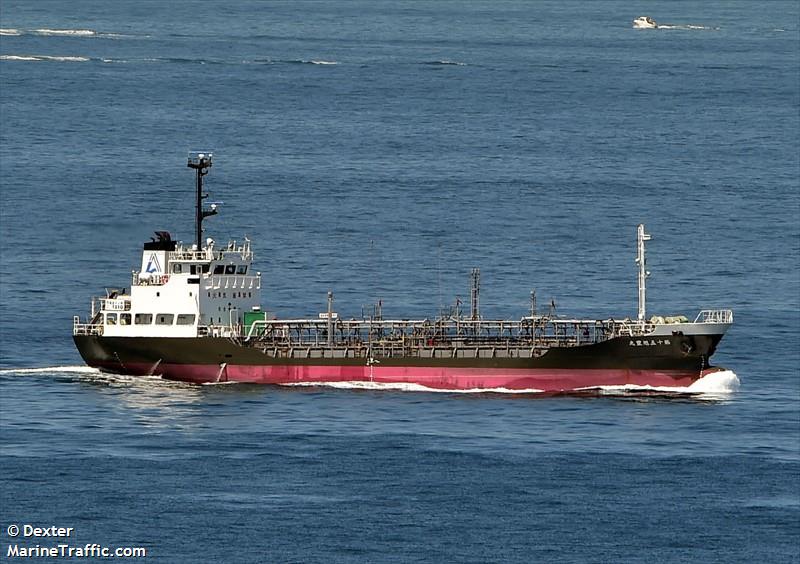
230, 269
164, 319
185, 319
124, 318
177, 268
241, 269
111, 319
219, 269
206, 268
192, 269
143, 318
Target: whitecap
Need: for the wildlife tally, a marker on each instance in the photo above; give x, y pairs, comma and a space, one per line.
64, 59
65, 32
19, 58
43, 58
446, 62
305, 62
10, 31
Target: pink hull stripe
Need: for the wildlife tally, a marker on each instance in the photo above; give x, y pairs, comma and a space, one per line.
544, 379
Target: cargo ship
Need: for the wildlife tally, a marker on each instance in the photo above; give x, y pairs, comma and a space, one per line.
193, 313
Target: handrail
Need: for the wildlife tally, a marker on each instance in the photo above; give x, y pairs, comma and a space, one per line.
714, 316
79, 328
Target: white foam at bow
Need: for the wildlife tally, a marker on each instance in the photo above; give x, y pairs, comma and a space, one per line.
720, 383
9, 31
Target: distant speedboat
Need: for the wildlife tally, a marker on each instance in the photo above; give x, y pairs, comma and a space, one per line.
644, 22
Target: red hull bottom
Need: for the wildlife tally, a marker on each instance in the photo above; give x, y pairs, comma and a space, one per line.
538, 379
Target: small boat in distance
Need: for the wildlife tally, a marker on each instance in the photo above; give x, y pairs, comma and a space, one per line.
194, 314
644, 22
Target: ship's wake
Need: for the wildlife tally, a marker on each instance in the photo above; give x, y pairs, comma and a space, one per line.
685, 27
87, 374
55, 370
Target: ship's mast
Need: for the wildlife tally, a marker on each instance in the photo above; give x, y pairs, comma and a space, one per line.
475, 292
201, 162
644, 274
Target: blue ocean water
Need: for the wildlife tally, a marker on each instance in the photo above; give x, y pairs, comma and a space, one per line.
381, 150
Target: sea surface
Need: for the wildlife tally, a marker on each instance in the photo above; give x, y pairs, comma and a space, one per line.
381, 149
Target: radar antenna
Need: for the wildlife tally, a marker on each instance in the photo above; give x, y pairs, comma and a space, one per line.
201, 162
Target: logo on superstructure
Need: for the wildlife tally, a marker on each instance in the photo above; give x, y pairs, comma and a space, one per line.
153, 266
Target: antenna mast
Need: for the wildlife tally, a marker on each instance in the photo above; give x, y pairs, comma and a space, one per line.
644, 274
201, 162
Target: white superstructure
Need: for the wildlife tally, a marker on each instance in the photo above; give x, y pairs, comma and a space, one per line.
182, 292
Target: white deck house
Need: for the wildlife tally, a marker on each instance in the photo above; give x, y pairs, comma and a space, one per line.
182, 292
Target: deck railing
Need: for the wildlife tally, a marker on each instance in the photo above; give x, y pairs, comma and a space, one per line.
527, 332
715, 316
79, 328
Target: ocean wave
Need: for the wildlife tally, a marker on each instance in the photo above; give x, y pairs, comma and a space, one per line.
19, 58
289, 62
44, 58
46, 32
177, 60
65, 32
307, 62
445, 62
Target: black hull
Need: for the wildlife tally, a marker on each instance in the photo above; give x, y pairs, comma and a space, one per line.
627, 360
